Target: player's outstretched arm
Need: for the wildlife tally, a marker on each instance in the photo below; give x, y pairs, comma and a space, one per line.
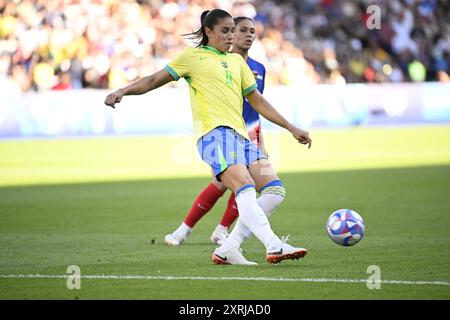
140, 86
264, 108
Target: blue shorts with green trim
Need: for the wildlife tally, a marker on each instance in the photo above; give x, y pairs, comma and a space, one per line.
224, 146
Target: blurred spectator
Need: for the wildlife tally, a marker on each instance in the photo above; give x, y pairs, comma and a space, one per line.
62, 44
443, 76
417, 71
44, 75
63, 82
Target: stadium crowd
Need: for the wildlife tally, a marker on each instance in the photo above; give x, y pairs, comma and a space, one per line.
63, 44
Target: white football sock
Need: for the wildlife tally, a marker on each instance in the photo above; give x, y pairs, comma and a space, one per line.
269, 200
252, 217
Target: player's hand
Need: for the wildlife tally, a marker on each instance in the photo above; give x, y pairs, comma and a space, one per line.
302, 136
113, 98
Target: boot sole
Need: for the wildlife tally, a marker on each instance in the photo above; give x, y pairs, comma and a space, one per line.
218, 260
293, 256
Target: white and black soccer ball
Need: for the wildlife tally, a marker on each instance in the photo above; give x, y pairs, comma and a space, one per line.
345, 227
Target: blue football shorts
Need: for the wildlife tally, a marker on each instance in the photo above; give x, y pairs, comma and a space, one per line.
224, 146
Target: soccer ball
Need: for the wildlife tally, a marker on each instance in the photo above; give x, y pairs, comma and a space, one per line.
345, 227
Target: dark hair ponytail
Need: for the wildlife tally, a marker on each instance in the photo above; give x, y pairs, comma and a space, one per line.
208, 19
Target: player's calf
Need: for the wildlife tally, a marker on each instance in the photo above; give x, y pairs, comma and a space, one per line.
271, 196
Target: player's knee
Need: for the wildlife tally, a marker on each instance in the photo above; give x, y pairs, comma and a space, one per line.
235, 177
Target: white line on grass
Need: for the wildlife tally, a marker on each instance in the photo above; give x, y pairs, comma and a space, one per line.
142, 277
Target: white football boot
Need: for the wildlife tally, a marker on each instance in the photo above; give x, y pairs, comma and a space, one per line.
219, 235
174, 239
284, 252
233, 256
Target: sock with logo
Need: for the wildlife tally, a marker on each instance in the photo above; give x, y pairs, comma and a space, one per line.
202, 204
252, 217
272, 195
231, 213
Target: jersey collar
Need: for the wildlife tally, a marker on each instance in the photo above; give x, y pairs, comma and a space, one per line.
212, 49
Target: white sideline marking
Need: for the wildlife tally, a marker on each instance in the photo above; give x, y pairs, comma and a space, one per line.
142, 277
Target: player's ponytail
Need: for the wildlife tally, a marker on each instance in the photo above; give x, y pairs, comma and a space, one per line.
208, 20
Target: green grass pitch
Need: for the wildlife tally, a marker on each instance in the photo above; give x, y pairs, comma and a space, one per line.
105, 204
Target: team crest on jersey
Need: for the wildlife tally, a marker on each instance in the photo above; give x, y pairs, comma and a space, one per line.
225, 64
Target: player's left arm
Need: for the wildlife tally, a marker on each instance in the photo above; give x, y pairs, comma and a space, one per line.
264, 108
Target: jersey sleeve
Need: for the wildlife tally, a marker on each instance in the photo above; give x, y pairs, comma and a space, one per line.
248, 83
179, 67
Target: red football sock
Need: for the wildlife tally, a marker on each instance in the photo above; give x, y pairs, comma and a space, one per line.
231, 213
204, 202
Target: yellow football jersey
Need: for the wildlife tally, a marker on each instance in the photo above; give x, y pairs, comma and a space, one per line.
217, 81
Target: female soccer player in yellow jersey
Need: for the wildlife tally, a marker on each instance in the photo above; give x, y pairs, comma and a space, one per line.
244, 35
217, 81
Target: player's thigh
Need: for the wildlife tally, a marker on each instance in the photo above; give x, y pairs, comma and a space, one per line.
262, 172
236, 176
219, 185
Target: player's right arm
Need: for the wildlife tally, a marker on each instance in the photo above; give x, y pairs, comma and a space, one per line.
264, 108
140, 86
